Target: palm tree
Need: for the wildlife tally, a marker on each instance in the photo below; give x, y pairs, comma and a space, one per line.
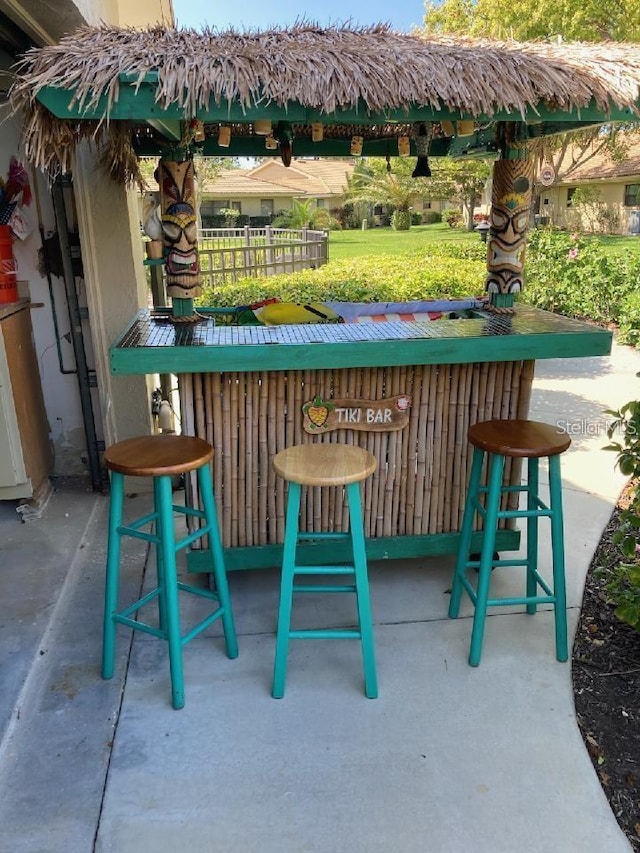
395, 190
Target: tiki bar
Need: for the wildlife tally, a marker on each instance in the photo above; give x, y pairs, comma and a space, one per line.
406, 389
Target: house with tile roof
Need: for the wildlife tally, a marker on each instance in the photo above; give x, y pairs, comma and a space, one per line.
265, 190
614, 185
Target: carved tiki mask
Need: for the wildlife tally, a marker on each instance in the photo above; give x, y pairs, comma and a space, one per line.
179, 227
509, 220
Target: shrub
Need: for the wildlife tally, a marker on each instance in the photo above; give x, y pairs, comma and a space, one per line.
576, 277
629, 331
430, 217
394, 278
416, 219
452, 217
401, 220
622, 580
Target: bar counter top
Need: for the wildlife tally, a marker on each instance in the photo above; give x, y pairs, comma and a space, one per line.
154, 344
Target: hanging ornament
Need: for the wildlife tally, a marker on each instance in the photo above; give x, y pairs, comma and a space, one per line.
284, 134
224, 136
356, 146
404, 146
422, 135
262, 127
388, 159
465, 127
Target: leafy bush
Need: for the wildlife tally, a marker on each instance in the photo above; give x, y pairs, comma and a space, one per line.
430, 217
576, 277
629, 331
401, 220
622, 581
452, 217
395, 278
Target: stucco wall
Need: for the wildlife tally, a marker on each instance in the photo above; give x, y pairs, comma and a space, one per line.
611, 194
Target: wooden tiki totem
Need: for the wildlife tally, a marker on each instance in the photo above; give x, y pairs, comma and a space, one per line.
177, 183
509, 220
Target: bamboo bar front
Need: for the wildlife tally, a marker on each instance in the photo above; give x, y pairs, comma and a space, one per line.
420, 483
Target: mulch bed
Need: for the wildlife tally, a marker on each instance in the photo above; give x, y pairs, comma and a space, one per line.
606, 686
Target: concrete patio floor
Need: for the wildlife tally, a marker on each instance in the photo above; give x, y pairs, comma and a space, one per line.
448, 758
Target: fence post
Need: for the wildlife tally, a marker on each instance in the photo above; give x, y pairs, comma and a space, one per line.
269, 255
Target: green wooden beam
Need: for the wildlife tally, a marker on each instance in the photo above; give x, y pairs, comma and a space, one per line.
319, 553
138, 103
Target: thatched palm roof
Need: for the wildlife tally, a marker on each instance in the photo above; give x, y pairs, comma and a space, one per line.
372, 69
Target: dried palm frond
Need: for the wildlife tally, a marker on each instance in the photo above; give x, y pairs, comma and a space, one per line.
372, 69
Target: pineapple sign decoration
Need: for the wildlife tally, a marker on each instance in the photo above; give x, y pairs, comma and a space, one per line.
320, 416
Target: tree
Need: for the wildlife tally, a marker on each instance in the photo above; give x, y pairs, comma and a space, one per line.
462, 180
372, 183
529, 20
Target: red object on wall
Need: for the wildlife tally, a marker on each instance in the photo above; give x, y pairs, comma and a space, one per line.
8, 272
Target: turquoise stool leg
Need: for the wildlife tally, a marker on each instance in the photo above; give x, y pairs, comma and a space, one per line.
167, 544
162, 608
222, 587
362, 590
116, 502
464, 545
486, 556
557, 546
532, 531
286, 590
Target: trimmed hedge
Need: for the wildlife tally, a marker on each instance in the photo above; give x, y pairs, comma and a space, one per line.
396, 278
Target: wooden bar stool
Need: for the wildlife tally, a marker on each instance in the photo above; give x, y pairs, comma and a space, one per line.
532, 441
162, 457
324, 465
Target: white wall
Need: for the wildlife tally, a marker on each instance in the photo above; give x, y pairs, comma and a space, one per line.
61, 396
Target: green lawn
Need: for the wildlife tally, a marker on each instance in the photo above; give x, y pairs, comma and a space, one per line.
617, 243
386, 241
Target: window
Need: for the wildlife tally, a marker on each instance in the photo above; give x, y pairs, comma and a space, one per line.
266, 207
320, 202
571, 191
215, 207
632, 195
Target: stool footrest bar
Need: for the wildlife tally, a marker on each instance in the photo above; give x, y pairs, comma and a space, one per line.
325, 634
134, 533
324, 570
189, 510
202, 625
139, 626
136, 523
321, 588
140, 602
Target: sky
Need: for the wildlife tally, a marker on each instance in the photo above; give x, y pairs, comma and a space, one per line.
262, 14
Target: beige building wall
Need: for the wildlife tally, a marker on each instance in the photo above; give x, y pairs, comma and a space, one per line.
553, 203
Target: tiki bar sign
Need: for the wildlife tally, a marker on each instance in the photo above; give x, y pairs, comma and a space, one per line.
321, 416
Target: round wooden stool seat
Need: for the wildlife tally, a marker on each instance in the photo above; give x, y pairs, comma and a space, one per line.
519, 438
157, 455
324, 464
161, 457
